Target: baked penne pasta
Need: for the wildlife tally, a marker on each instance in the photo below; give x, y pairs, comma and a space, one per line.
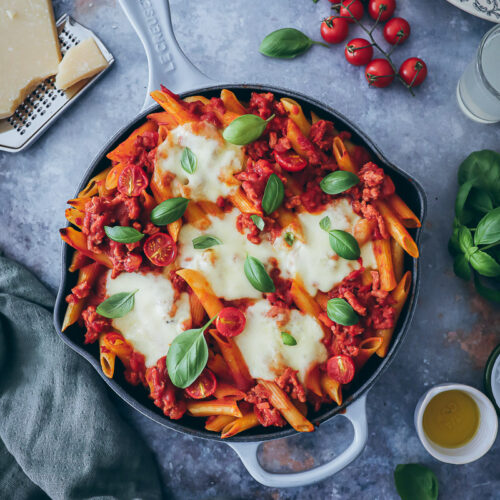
213, 407
216, 423
295, 113
107, 358
332, 388
342, 156
403, 211
383, 256
247, 421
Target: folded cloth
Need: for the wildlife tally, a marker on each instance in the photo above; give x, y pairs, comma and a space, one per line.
61, 435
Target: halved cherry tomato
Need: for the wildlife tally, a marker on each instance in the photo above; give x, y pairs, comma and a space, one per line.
413, 71
341, 368
396, 30
160, 249
379, 73
358, 52
204, 386
355, 7
386, 9
132, 181
291, 162
334, 29
230, 322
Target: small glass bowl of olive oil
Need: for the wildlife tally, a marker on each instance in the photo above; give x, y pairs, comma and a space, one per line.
456, 423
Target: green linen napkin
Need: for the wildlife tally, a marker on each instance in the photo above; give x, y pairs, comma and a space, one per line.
61, 435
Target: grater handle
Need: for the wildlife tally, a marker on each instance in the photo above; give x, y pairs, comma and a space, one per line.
168, 65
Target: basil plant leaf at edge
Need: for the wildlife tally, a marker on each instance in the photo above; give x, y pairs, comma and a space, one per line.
485, 264
416, 482
117, 305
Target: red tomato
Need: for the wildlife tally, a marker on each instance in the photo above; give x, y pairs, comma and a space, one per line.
379, 73
413, 71
204, 386
160, 249
358, 52
230, 322
396, 30
291, 162
132, 181
386, 9
355, 7
334, 29
341, 368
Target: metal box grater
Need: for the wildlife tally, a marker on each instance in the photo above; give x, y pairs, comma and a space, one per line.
46, 103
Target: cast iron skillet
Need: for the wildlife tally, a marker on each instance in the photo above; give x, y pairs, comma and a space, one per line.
168, 65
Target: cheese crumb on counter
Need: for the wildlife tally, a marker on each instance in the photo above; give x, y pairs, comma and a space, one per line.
81, 61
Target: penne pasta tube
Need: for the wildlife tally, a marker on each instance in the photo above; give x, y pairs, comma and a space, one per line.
116, 343
127, 147
224, 390
111, 181
164, 119
197, 310
243, 204
217, 364
247, 421
322, 299
332, 388
282, 403
303, 300
79, 203
342, 156
363, 231
367, 348
216, 423
231, 102
383, 256
107, 358
398, 259
92, 187
366, 277
194, 98
78, 260
201, 287
314, 118
403, 211
196, 216
213, 407
211, 208
300, 143
295, 113
312, 381
400, 295
75, 217
78, 241
174, 106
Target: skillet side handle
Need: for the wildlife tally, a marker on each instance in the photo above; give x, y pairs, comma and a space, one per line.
356, 413
168, 65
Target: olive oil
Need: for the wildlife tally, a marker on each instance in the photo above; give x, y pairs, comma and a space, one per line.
451, 419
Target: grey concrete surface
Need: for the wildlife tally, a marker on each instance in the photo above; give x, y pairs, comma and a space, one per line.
453, 331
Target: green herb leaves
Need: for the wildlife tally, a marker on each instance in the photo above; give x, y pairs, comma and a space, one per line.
273, 194
343, 243
338, 182
123, 234
117, 305
245, 129
205, 241
340, 311
415, 482
488, 229
189, 162
286, 43
169, 211
257, 275
289, 238
188, 356
258, 221
288, 339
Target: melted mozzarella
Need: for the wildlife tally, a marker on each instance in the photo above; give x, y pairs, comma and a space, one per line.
156, 318
262, 348
217, 161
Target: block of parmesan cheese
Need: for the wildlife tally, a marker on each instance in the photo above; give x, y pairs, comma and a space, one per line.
81, 61
29, 49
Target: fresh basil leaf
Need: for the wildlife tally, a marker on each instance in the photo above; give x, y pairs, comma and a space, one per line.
488, 229
189, 162
486, 292
123, 234
325, 223
340, 311
480, 200
461, 267
169, 211
245, 129
257, 275
462, 195
485, 264
344, 244
288, 339
117, 305
338, 182
258, 221
415, 482
453, 244
205, 241
285, 43
465, 239
289, 238
470, 252
273, 194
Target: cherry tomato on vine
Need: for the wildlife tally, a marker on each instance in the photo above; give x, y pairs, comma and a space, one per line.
341, 368
230, 322
160, 249
291, 162
334, 29
413, 71
355, 7
132, 181
396, 30
358, 52
379, 73
204, 386
386, 9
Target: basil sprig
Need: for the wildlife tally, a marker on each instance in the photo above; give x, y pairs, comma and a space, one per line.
188, 356
338, 182
288, 339
117, 305
205, 241
189, 162
340, 311
416, 482
169, 211
257, 275
273, 194
245, 129
258, 221
123, 234
286, 43
343, 243
488, 229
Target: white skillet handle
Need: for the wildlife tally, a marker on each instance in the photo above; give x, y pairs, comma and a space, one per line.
356, 413
167, 63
